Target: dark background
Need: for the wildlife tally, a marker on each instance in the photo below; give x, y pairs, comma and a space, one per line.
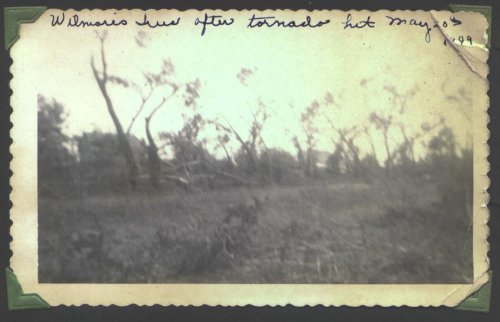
288, 313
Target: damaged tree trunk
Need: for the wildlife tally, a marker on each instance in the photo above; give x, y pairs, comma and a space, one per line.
154, 162
124, 144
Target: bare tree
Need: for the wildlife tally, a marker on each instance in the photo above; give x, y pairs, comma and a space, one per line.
400, 100
366, 132
384, 123
347, 146
345, 139
222, 141
306, 154
144, 99
405, 149
191, 157
249, 143
162, 80
103, 78
157, 84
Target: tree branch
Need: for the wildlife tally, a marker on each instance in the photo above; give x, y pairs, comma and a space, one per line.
143, 103
233, 130
102, 37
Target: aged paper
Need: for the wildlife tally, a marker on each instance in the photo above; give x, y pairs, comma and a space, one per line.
250, 157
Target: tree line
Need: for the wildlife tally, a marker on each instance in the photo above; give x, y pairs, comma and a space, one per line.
96, 161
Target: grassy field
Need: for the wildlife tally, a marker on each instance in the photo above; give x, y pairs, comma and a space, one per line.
387, 231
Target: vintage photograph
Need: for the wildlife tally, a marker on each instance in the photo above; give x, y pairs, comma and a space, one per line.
156, 167
228, 152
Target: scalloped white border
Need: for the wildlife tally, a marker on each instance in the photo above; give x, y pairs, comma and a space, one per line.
24, 231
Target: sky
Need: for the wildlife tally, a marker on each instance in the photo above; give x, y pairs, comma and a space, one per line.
291, 69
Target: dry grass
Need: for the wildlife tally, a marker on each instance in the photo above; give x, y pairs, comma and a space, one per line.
392, 231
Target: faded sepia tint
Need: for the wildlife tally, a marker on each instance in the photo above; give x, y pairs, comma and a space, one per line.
254, 156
